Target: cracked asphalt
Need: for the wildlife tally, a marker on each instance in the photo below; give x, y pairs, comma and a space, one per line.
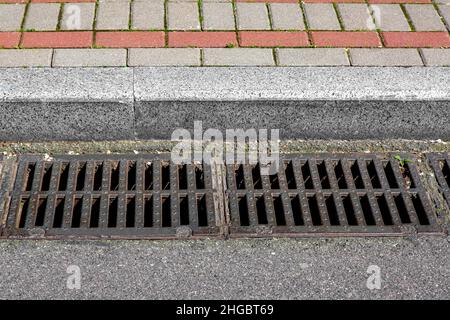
410, 268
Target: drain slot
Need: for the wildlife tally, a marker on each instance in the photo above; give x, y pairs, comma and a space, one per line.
112, 212
95, 213
46, 177
420, 210
115, 177
240, 181
98, 177
29, 177
331, 209
77, 211
81, 176
279, 211
59, 213
202, 211
40, 215
243, 211
323, 175
306, 172
261, 210
166, 214
340, 178
165, 176
349, 211
314, 210
131, 178
184, 211
199, 178
23, 212
148, 213
131, 212
367, 210
357, 177
297, 211
148, 177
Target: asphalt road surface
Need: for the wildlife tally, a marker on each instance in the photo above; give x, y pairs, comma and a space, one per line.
416, 268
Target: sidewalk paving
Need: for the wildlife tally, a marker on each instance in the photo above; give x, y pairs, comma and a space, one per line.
69, 33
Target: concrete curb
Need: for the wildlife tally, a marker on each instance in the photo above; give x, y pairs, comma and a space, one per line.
149, 103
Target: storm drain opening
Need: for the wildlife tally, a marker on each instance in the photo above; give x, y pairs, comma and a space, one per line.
150, 197
326, 194
112, 196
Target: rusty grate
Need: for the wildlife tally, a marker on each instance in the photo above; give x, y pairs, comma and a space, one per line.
111, 196
147, 196
440, 163
329, 194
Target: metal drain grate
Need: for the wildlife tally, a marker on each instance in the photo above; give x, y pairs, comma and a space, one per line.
329, 194
147, 196
111, 196
440, 162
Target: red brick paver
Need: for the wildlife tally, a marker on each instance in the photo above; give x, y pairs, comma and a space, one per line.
9, 39
349, 39
132, 39
61, 1
273, 39
416, 39
81, 39
202, 39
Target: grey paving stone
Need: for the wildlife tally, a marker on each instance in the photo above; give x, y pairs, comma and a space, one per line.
286, 16
11, 16
238, 57
90, 57
436, 57
164, 57
356, 16
385, 57
85, 12
42, 16
113, 15
312, 57
321, 16
25, 57
147, 15
252, 16
390, 17
218, 16
424, 17
445, 12
183, 16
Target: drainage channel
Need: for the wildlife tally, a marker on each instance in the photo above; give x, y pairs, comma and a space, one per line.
149, 197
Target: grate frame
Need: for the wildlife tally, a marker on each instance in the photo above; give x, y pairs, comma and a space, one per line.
100, 194
249, 226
